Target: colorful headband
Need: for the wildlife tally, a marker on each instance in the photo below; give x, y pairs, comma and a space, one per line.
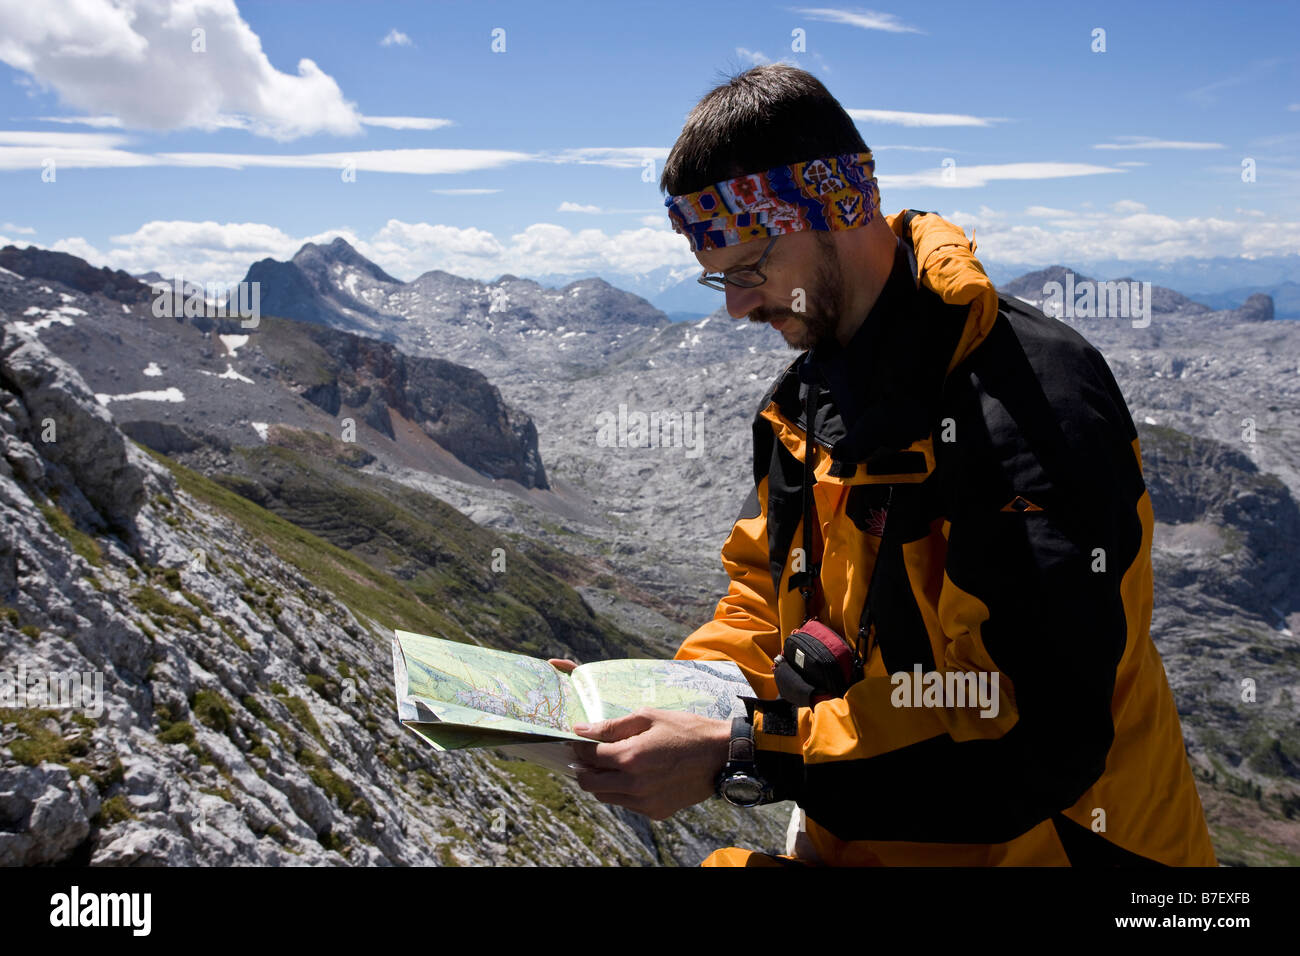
838, 192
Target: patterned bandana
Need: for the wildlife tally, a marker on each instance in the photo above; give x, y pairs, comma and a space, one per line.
838, 192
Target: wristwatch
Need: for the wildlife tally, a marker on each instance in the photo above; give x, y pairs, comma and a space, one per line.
739, 783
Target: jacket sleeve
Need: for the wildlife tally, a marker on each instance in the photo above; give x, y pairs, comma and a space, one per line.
744, 627
1044, 601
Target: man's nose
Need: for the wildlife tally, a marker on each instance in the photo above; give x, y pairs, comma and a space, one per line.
741, 302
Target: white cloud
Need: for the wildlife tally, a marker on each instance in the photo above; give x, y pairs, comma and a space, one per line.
406, 122
964, 177
903, 118
916, 149
1128, 205
1150, 142
1096, 236
408, 249
134, 60
621, 156
222, 252
594, 210
31, 149
1047, 212
423, 161
865, 19
395, 37
753, 56
21, 230
90, 152
1132, 162
99, 122
1294, 106
21, 149
464, 192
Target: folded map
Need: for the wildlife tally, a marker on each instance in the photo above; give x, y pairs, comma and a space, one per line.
456, 696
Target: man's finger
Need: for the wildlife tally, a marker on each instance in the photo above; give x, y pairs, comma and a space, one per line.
617, 728
604, 784
562, 664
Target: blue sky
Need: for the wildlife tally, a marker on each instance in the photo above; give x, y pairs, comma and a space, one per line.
201, 162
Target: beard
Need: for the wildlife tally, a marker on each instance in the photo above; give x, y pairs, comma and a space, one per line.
823, 301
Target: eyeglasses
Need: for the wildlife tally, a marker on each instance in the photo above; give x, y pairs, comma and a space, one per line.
745, 277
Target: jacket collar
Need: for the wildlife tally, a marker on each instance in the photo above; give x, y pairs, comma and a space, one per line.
903, 371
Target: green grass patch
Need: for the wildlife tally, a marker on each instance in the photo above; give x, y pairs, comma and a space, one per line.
37, 742
82, 543
545, 788
367, 592
181, 732
115, 810
318, 769
302, 713
211, 710
152, 602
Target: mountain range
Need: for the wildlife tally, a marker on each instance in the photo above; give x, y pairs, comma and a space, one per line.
476, 413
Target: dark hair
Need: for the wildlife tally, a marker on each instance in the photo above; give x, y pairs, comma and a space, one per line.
771, 115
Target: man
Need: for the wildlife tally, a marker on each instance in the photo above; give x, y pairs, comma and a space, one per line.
981, 524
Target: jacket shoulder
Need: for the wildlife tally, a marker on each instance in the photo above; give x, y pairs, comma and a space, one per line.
1036, 408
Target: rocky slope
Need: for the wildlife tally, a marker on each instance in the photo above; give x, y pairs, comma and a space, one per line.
246, 713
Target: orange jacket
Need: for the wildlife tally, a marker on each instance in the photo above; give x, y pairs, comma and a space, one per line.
1020, 546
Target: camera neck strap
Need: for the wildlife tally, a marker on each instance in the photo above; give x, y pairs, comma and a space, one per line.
811, 590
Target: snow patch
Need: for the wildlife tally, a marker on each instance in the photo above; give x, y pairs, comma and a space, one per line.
1150, 421
260, 428
152, 370
51, 318
233, 343
229, 373
8, 273
172, 394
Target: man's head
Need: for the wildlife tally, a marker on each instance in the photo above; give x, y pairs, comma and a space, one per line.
768, 117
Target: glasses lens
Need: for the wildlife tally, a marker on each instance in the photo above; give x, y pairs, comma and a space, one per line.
745, 278
713, 283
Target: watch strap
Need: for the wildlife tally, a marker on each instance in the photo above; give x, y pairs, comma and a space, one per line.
741, 748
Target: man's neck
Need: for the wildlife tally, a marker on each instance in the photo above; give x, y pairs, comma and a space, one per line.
873, 265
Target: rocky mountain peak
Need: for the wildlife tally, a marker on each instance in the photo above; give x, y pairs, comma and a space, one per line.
341, 252
35, 263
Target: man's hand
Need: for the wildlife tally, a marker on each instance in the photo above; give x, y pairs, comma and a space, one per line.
655, 762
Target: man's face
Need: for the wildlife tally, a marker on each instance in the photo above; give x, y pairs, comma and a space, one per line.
804, 260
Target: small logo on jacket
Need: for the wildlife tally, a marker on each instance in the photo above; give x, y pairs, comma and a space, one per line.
946, 689
876, 522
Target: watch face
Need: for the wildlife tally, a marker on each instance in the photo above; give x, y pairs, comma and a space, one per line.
743, 790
